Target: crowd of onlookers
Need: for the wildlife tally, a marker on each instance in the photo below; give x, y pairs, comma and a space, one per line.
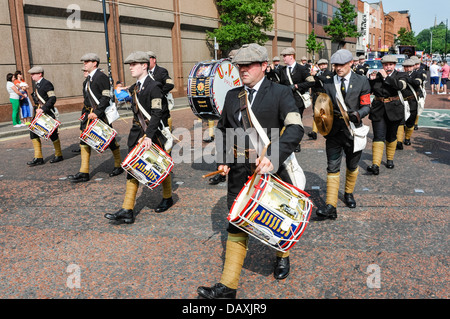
439, 76
22, 108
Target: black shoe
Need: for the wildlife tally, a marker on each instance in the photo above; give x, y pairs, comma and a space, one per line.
165, 204
313, 135
416, 127
116, 171
399, 146
349, 200
407, 142
209, 140
328, 213
56, 159
389, 164
125, 215
36, 161
374, 169
298, 149
217, 179
282, 268
79, 177
218, 291
78, 150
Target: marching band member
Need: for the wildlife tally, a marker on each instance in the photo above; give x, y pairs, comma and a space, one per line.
387, 112
147, 94
96, 83
274, 107
44, 96
422, 74
355, 91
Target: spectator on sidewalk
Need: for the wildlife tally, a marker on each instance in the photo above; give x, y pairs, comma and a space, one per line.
434, 77
26, 107
445, 73
14, 98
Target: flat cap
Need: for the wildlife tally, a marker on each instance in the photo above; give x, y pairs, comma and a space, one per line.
409, 62
341, 56
232, 53
415, 59
303, 58
362, 57
288, 51
137, 57
276, 58
90, 57
36, 69
389, 58
250, 53
355, 58
151, 54
322, 61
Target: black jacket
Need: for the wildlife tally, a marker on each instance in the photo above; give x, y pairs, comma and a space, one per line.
100, 87
46, 91
300, 76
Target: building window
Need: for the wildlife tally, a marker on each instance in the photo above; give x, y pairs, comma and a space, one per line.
322, 12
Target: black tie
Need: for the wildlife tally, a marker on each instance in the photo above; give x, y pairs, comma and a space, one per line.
343, 87
138, 86
290, 70
250, 94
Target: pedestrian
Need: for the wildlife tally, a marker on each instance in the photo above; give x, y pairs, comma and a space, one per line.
434, 77
387, 112
148, 95
274, 108
44, 98
14, 98
318, 88
121, 93
445, 69
362, 67
298, 78
97, 85
272, 70
355, 89
26, 107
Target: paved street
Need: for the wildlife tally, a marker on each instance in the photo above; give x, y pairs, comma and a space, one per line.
55, 242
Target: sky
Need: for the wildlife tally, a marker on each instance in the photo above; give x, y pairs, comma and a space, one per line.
422, 12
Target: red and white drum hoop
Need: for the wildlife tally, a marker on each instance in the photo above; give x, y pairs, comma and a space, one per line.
43, 125
98, 135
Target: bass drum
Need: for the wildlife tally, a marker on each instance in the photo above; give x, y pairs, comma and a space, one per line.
208, 84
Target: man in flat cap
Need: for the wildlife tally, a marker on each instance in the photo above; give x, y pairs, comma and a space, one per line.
355, 63
354, 91
411, 94
387, 111
420, 72
273, 106
362, 67
44, 98
272, 70
148, 104
297, 77
325, 73
96, 87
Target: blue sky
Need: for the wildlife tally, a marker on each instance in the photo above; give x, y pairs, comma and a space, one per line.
422, 12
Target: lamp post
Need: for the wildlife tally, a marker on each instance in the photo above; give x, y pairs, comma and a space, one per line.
107, 47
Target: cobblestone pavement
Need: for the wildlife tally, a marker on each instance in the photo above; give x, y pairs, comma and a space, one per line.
55, 242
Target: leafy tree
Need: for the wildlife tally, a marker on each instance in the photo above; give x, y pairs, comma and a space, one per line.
438, 42
406, 37
343, 24
242, 21
312, 45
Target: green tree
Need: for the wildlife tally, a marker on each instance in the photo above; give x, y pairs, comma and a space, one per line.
312, 45
438, 42
241, 22
406, 37
343, 24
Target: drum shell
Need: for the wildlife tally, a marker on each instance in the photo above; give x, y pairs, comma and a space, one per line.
44, 125
98, 142
266, 223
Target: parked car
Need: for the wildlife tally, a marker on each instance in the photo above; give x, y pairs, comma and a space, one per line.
375, 66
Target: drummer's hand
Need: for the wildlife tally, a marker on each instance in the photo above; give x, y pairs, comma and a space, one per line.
147, 143
39, 111
225, 169
92, 116
264, 166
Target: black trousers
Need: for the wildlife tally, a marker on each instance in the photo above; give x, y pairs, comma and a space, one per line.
385, 130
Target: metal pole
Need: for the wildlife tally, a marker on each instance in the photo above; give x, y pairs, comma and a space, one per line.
107, 47
446, 29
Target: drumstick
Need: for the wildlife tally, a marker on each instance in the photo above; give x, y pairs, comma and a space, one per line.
254, 174
213, 173
87, 124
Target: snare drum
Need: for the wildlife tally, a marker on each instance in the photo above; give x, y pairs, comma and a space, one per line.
208, 84
274, 212
149, 167
98, 135
43, 125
